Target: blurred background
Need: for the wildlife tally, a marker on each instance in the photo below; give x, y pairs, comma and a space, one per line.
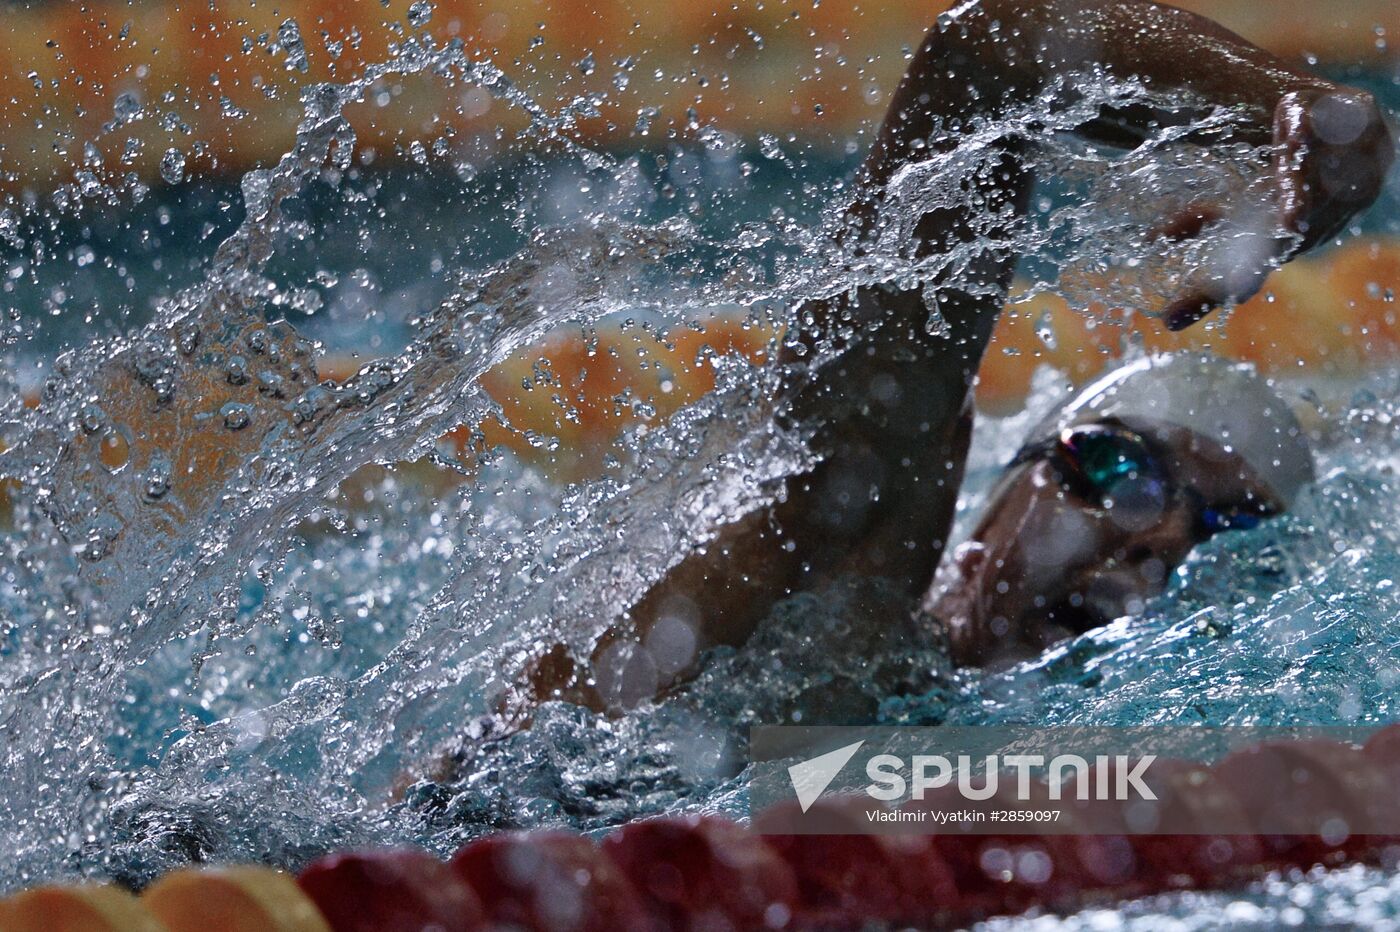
822, 69
125, 127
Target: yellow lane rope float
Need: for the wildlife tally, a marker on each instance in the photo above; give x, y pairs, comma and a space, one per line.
83, 908
232, 899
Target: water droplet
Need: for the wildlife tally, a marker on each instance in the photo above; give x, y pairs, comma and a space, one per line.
937, 325
237, 370
420, 13
126, 107
158, 478
236, 416
93, 417
113, 450
588, 64
272, 383
187, 338
231, 110
172, 166
88, 184
307, 300
289, 38
329, 631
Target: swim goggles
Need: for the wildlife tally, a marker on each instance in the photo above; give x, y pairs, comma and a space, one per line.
1092, 460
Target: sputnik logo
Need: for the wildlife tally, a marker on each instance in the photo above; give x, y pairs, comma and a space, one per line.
811, 778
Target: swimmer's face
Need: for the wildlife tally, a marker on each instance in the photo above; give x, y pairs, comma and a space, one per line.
1084, 528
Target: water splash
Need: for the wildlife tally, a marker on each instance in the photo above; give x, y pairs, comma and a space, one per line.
169, 477
158, 465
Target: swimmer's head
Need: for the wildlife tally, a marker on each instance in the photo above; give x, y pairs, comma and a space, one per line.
1109, 496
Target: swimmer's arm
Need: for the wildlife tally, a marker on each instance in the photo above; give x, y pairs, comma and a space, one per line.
1332, 146
984, 58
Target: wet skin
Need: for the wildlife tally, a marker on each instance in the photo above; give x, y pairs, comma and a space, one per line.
1048, 559
887, 405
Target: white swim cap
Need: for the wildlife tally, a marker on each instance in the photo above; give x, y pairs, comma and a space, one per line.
1226, 402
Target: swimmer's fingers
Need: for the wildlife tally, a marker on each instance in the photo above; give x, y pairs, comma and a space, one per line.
1233, 286
1233, 277
1184, 312
1334, 151
1189, 223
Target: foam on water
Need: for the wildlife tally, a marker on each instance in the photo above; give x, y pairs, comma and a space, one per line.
210, 653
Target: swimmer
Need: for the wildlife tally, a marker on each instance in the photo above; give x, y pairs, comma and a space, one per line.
889, 412
1109, 496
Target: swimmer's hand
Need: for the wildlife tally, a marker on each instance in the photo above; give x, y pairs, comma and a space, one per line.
1336, 151
1333, 150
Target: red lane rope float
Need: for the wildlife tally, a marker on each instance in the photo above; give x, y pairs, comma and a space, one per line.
878, 878
551, 880
369, 891
704, 872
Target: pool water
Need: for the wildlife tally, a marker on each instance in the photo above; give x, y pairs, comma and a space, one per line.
277, 659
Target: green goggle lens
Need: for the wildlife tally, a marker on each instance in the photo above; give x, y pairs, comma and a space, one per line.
1103, 457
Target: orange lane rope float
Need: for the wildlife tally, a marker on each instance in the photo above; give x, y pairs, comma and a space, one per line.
1328, 316
241, 120
1339, 316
